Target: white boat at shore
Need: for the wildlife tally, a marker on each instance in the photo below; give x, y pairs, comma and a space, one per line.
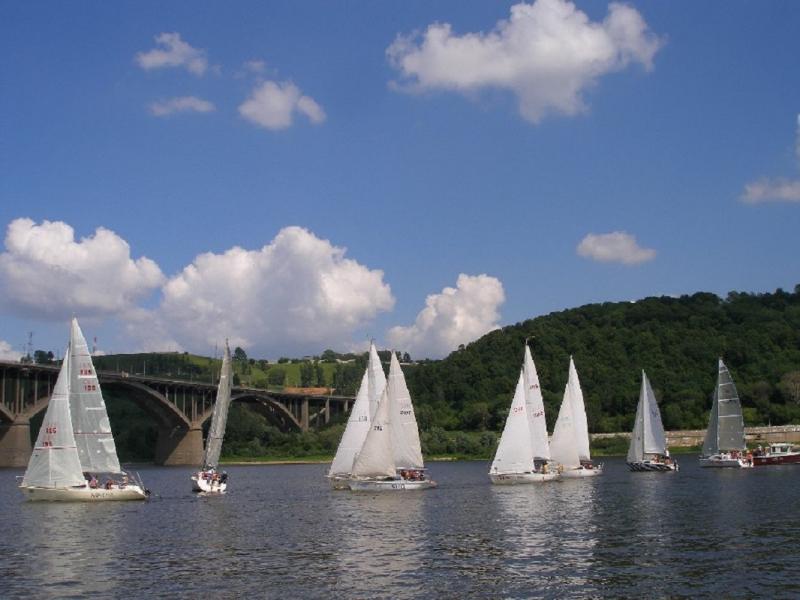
724, 445
569, 446
207, 479
369, 393
523, 452
391, 457
74, 450
648, 449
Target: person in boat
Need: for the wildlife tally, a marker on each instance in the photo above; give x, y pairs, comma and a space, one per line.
93, 482
109, 484
223, 478
124, 483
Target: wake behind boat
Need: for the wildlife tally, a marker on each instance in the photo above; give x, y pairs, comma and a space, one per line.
523, 452
75, 458
569, 446
724, 444
208, 480
648, 450
391, 457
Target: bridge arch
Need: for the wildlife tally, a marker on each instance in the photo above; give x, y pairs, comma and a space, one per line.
265, 405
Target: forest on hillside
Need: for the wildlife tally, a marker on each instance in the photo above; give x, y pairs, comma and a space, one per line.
675, 340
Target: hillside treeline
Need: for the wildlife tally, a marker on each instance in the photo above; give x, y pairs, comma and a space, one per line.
675, 340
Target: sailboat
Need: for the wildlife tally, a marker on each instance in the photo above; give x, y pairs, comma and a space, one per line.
75, 445
369, 394
570, 443
724, 445
524, 451
648, 450
391, 456
208, 480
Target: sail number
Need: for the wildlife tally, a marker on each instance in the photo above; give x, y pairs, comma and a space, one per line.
518, 409
89, 387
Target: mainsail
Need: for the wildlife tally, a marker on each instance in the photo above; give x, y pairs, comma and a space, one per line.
579, 413
514, 452
403, 424
90, 424
648, 432
725, 424
563, 446
220, 416
358, 422
55, 462
535, 409
376, 458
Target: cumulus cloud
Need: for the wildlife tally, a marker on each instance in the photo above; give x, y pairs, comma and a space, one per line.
547, 53
455, 316
618, 246
182, 104
771, 190
298, 292
173, 52
273, 105
45, 273
7, 353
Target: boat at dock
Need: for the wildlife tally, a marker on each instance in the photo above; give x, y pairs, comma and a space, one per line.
777, 453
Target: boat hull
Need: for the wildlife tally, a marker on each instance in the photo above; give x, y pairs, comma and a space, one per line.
724, 462
647, 465
582, 472
784, 459
208, 487
84, 494
521, 478
389, 485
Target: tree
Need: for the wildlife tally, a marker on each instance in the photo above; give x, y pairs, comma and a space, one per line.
790, 386
307, 374
328, 356
40, 357
239, 355
276, 376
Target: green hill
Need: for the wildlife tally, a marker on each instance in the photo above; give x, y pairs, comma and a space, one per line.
676, 340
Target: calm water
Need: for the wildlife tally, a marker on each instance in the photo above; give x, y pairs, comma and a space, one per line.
281, 532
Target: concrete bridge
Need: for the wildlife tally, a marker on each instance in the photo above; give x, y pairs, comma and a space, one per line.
179, 408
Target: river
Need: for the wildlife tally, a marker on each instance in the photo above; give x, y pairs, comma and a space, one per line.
282, 533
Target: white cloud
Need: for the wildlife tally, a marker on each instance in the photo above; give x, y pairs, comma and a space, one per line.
298, 293
255, 66
45, 273
7, 353
771, 190
272, 105
181, 104
174, 52
618, 246
547, 54
455, 316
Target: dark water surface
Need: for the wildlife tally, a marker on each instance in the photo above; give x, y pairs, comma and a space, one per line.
281, 532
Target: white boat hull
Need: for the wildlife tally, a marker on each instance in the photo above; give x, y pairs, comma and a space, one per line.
582, 472
389, 485
206, 486
722, 461
83, 494
521, 478
648, 465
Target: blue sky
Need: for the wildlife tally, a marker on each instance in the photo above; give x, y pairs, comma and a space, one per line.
361, 167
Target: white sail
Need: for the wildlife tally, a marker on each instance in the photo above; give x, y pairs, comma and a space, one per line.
579, 413
563, 445
355, 432
655, 442
648, 432
377, 379
725, 424
514, 452
535, 409
219, 418
376, 458
405, 433
90, 423
55, 462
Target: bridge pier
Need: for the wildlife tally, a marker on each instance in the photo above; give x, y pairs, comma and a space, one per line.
304, 415
179, 446
15, 444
